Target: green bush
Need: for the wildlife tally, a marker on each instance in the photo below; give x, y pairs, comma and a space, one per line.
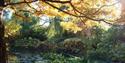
71, 46
60, 58
39, 33
35, 32
54, 31
13, 59
104, 45
27, 42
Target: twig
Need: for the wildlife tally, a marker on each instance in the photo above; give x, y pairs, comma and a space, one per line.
30, 5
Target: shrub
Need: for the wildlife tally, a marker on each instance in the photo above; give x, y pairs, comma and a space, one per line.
102, 45
73, 46
60, 58
39, 33
27, 42
13, 59
55, 31
35, 32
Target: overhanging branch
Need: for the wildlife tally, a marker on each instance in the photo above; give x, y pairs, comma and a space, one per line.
82, 15
63, 2
19, 3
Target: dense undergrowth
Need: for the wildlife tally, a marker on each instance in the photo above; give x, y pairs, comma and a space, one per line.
60, 46
102, 47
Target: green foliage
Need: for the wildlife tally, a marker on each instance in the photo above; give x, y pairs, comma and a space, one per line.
27, 42
104, 45
101, 47
54, 30
73, 46
56, 33
14, 1
118, 53
28, 24
12, 28
13, 59
36, 32
59, 58
31, 29
39, 33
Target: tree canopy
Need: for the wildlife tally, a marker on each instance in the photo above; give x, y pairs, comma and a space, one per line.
86, 12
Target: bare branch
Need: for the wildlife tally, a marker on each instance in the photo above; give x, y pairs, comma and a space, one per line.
35, 1
19, 3
61, 9
105, 6
20, 16
30, 5
63, 2
84, 16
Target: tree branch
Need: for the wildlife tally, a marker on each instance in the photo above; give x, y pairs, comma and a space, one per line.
30, 5
63, 2
105, 6
19, 3
54, 1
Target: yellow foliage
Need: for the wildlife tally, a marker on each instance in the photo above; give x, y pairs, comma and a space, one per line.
91, 23
11, 29
70, 26
109, 12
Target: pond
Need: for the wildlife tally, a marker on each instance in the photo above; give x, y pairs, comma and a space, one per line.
26, 57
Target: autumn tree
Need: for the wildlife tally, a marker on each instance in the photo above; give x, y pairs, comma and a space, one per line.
85, 13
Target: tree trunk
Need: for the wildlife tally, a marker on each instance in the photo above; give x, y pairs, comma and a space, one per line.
2, 44
3, 54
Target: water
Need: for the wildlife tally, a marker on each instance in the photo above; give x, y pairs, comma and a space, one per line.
27, 58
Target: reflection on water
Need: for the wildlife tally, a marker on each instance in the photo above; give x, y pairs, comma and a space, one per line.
26, 58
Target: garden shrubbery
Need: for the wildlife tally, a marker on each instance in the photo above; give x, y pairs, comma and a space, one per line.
73, 46
101, 47
61, 46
